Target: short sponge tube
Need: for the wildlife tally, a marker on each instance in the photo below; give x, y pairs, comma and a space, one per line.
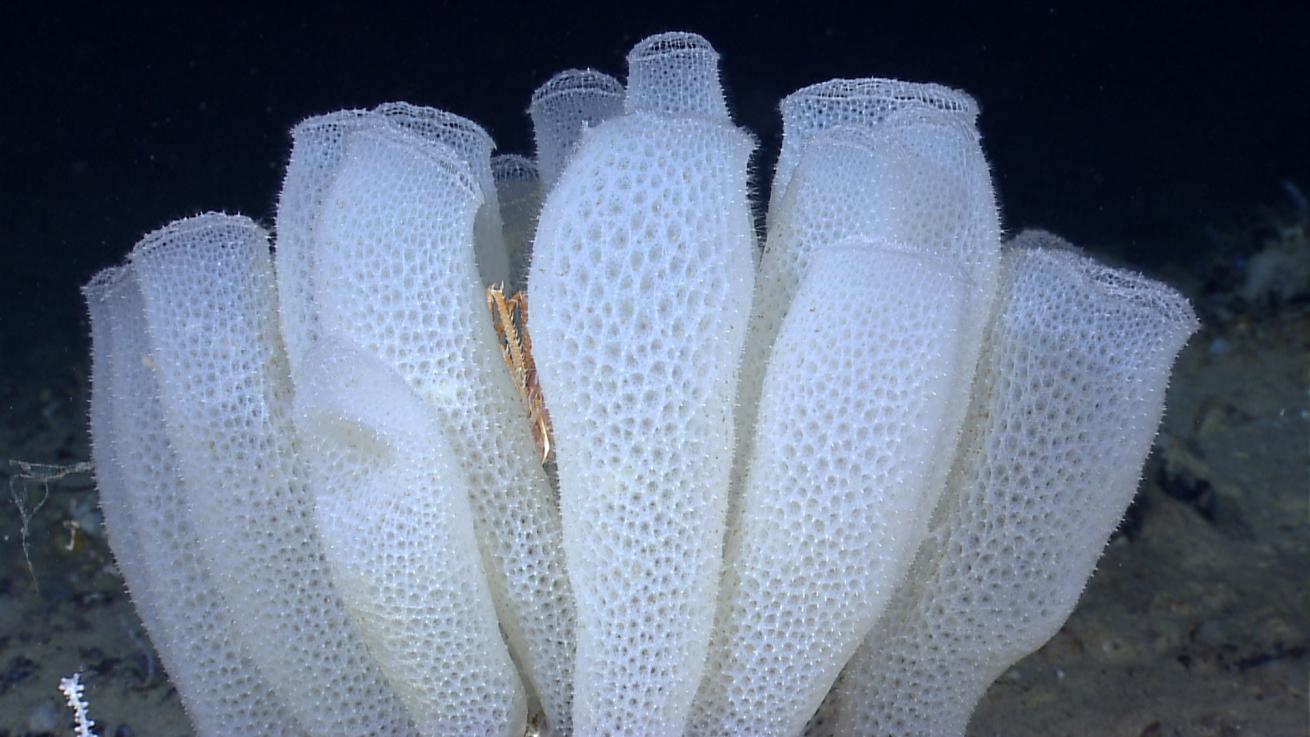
675, 74
563, 108
866, 102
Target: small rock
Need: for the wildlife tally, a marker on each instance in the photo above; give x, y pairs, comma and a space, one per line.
44, 717
1211, 633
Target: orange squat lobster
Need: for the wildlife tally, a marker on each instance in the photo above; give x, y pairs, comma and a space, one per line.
509, 316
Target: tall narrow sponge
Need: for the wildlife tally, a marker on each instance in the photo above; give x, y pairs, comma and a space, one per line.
1068, 397
392, 510
910, 178
852, 424
518, 188
209, 305
154, 542
640, 286
395, 275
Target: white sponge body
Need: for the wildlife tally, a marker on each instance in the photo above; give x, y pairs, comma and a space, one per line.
473, 146
880, 441
920, 179
640, 285
862, 103
1068, 397
317, 147
393, 513
675, 74
853, 422
210, 307
154, 541
563, 109
519, 190
396, 275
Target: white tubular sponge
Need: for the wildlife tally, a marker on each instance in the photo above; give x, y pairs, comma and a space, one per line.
675, 74
154, 542
563, 108
210, 308
853, 422
396, 275
862, 103
393, 513
518, 188
317, 147
640, 286
473, 145
1068, 396
917, 179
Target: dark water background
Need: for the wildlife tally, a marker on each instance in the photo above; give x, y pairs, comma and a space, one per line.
1130, 129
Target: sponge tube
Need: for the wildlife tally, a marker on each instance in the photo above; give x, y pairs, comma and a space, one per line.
563, 108
640, 286
150, 531
396, 275
1069, 394
211, 312
392, 509
853, 421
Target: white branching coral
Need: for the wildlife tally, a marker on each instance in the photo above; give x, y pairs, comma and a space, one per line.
867, 468
73, 690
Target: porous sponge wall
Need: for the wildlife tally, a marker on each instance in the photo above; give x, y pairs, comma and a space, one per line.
393, 512
851, 182
1068, 398
914, 174
154, 541
318, 144
473, 147
210, 308
675, 74
860, 103
640, 285
563, 108
852, 420
395, 274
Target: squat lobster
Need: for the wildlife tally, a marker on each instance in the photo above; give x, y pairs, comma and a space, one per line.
509, 316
